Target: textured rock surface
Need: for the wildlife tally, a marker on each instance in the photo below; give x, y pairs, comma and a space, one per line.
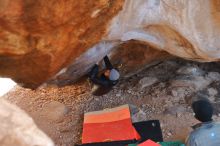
18, 129
177, 27
39, 38
130, 58
133, 56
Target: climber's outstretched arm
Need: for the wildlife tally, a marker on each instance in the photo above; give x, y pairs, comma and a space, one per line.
108, 63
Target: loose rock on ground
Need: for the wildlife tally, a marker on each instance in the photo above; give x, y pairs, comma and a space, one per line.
159, 99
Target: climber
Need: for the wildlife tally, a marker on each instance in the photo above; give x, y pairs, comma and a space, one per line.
206, 133
104, 83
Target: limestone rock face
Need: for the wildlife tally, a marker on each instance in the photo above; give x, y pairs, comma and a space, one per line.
54, 40
18, 129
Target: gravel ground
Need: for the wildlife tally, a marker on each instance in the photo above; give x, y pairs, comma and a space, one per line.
164, 91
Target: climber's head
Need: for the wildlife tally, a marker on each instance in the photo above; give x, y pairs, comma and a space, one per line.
112, 74
203, 110
107, 73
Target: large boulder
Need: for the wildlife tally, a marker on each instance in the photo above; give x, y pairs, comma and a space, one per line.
43, 40
18, 129
130, 58
38, 38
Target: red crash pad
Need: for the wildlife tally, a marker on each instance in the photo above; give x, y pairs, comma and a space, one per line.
108, 125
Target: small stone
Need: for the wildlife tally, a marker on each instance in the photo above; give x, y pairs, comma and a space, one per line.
168, 103
169, 134
214, 117
212, 91
190, 71
174, 110
213, 76
197, 82
96, 99
212, 98
178, 115
139, 116
54, 110
118, 95
174, 93
163, 85
179, 93
147, 81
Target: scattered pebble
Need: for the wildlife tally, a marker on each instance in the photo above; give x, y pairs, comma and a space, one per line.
169, 134
147, 81
212, 91
174, 93
118, 95
213, 76
162, 101
189, 70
